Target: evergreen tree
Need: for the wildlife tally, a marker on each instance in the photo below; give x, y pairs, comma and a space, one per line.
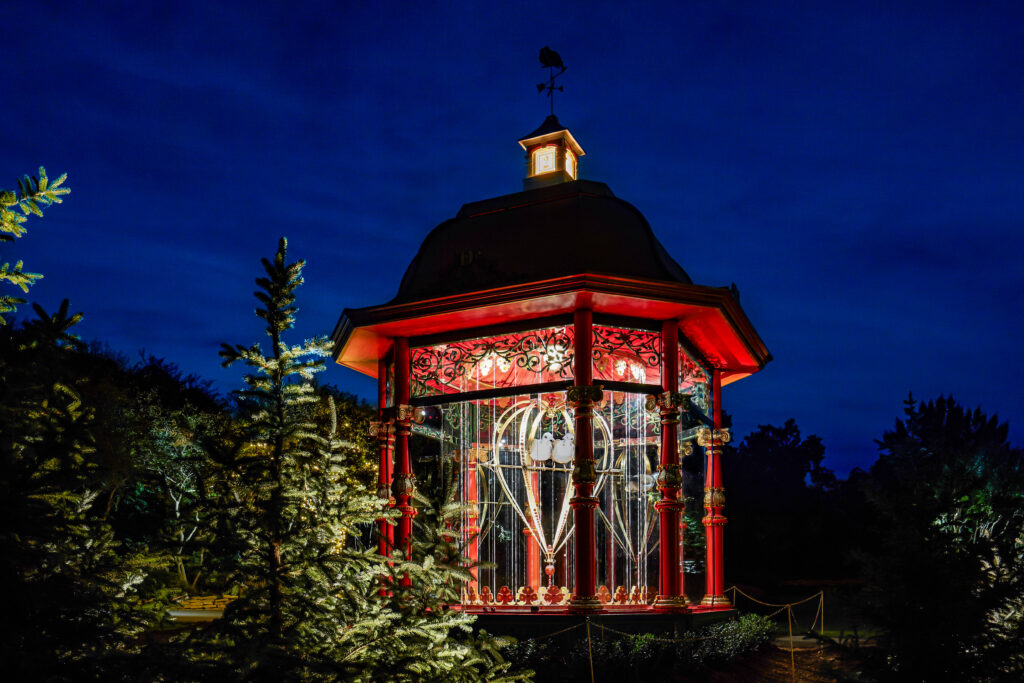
31, 197
314, 603
72, 605
945, 567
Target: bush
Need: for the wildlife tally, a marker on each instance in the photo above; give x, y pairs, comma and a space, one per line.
730, 639
645, 656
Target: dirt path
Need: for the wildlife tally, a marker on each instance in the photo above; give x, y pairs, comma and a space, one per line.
773, 665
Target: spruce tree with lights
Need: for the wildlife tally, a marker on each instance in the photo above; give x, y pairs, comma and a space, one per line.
34, 193
315, 602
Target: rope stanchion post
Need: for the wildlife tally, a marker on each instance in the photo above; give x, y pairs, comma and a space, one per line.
792, 655
590, 652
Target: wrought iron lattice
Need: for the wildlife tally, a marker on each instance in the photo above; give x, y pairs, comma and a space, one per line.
626, 354
509, 360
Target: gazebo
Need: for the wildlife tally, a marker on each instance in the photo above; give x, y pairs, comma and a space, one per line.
566, 364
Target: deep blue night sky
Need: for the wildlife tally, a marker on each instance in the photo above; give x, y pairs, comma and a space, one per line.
856, 168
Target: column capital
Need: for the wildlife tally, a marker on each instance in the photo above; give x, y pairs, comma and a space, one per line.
669, 401
381, 429
472, 455
713, 437
577, 395
405, 413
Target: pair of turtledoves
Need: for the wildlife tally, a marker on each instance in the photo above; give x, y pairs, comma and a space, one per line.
559, 450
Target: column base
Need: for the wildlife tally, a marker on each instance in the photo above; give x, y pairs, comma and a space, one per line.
715, 601
591, 604
670, 602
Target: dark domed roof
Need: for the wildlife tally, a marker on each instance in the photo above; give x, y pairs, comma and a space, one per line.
560, 230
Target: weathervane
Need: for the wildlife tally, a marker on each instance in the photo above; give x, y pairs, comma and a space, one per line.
550, 59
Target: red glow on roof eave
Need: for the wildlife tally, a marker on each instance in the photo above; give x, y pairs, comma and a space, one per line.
710, 318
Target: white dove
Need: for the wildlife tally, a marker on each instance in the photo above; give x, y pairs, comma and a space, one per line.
542, 447
564, 449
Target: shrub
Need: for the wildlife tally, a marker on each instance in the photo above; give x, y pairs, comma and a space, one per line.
638, 657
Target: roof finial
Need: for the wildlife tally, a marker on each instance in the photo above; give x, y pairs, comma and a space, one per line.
550, 59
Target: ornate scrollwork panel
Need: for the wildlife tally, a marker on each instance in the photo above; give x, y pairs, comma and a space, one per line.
509, 360
627, 355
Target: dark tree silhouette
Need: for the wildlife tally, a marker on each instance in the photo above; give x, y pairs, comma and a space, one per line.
945, 568
780, 522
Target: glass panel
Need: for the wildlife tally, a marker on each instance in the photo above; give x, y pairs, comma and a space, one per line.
499, 362
695, 380
514, 457
544, 159
627, 523
389, 387
627, 355
570, 164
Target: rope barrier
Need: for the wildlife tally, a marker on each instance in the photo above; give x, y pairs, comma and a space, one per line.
735, 590
782, 607
557, 633
790, 618
658, 638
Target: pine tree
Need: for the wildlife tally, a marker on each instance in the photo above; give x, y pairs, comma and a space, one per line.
32, 196
315, 603
945, 567
71, 607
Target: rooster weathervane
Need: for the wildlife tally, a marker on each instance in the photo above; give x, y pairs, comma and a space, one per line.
550, 59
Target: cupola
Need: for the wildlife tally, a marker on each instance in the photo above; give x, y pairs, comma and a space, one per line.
552, 155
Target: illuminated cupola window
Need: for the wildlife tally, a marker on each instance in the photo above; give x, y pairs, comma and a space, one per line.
545, 160
551, 155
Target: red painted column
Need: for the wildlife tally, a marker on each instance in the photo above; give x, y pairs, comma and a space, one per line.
383, 430
404, 485
670, 476
714, 500
533, 574
582, 396
472, 513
